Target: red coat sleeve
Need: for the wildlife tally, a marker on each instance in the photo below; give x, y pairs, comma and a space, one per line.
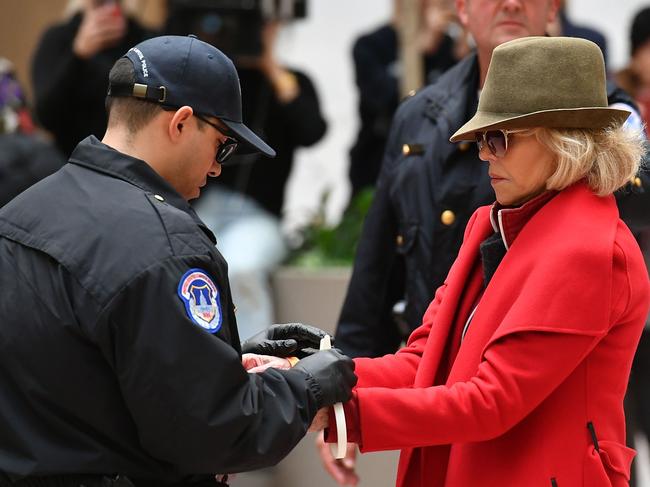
514, 378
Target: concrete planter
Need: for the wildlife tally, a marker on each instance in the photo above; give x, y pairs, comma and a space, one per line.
312, 296
315, 296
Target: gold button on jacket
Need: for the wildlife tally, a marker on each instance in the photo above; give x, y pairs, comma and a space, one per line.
447, 217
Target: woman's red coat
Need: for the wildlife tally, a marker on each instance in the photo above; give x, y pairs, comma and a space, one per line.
548, 351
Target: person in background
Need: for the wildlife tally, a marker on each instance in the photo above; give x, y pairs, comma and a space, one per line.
25, 155
70, 68
635, 79
377, 72
518, 372
244, 206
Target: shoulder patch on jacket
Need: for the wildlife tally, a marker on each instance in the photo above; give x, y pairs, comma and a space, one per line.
200, 296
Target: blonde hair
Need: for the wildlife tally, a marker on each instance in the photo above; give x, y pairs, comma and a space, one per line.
607, 158
73, 6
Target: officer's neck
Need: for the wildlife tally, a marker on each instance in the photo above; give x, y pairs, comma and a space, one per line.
140, 145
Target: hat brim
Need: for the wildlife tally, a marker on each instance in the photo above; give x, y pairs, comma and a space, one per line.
250, 143
587, 118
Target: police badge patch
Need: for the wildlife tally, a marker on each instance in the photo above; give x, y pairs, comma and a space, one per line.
201, 298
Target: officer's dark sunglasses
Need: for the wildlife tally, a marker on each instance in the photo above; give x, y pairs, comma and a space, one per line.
495, 140
227, 148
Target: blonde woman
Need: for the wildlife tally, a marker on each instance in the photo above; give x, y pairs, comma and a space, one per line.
517, 375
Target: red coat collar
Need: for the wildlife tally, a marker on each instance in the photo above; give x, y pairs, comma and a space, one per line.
572, 268
509, 221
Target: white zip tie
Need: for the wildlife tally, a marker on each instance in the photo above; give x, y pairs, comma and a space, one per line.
339, 414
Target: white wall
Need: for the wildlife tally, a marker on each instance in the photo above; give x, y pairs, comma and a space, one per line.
613, 18
321, 45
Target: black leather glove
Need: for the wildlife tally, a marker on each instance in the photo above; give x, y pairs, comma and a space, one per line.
284, 340
331, 376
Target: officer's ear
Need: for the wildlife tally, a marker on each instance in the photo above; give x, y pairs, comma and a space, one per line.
178, 121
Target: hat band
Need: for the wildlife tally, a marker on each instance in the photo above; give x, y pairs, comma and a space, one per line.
139, 90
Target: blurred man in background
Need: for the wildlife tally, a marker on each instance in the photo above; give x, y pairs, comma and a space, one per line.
70, 68
378, 70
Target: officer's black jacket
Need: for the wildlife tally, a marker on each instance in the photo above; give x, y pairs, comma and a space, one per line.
427, 190
102, 370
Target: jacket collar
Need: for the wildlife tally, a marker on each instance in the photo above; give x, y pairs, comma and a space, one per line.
455, 86
96, 156
509, 221
451, 83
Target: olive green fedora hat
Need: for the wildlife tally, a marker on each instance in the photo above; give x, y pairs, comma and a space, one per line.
553, 82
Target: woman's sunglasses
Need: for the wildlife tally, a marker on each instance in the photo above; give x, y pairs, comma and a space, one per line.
495, 140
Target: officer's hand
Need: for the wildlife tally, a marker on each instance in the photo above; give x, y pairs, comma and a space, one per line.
332, 376
284, 340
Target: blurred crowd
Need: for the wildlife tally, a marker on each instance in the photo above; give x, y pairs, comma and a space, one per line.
244, 207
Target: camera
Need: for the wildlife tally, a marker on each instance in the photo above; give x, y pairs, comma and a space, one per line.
233, 26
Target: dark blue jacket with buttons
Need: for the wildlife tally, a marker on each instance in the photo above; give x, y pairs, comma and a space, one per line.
105, 367
427, 190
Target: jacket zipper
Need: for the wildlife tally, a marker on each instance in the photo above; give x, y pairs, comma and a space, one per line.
592, 432
594, 439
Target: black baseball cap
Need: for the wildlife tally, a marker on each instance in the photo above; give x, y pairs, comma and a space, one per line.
183, 70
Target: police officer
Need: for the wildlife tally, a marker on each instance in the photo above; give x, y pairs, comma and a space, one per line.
120, 360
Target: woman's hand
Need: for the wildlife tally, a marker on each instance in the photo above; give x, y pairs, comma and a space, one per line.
320, 421
285, 85
101, 27
343, 470
254, 363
